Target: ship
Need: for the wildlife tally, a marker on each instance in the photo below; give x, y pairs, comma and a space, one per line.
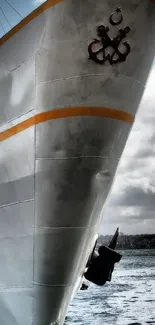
67, 105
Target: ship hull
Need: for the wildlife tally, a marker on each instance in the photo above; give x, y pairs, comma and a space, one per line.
64, 124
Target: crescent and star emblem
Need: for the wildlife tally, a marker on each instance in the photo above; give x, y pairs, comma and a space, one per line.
107, 42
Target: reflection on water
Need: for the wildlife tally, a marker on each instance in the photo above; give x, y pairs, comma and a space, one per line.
128, 300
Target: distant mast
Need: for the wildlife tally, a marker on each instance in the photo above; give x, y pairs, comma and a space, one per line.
113, 242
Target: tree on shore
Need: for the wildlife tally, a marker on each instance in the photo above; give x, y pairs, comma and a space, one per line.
144, 241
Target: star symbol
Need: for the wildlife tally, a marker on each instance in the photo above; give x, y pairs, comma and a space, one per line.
118, 9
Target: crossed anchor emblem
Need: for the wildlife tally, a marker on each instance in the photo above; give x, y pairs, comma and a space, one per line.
105, 40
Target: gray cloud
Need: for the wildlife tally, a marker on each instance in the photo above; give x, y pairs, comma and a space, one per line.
131, 204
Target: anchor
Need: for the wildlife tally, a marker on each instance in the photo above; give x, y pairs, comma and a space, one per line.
100, 265
106, 42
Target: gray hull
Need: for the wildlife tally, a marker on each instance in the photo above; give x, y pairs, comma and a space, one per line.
64, 124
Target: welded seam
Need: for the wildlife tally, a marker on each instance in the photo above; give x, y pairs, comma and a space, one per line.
15, 179
33, 302
15, 203
76, 157
53, 285
16, 118
55, 228
15, 287
91, 75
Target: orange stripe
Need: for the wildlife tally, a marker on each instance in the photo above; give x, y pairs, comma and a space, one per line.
48, 4
68, 112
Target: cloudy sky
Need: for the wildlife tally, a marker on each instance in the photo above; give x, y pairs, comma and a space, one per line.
131, 204
132, 200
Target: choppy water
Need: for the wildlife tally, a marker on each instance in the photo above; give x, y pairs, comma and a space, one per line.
128, 300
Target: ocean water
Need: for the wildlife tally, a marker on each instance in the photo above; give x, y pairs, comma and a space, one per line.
128, 300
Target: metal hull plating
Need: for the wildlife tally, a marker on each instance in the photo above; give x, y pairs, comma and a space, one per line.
64, 123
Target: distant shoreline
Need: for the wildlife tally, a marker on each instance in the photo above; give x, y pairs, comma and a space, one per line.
144, 241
